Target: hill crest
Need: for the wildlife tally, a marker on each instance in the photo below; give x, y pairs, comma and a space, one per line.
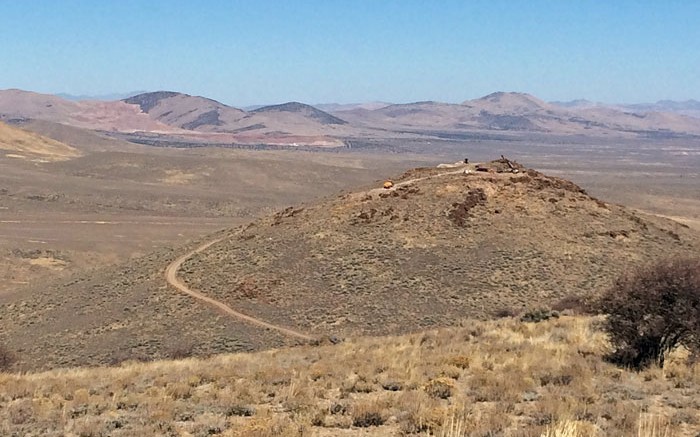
440, 246
303, 109
150, 100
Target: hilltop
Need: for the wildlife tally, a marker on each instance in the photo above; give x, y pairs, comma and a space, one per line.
186, 112
304, 110
441, 246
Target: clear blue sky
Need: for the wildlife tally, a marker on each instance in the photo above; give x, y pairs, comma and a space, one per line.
264, 51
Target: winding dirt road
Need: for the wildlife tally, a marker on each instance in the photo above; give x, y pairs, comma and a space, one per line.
171, 277
173, 268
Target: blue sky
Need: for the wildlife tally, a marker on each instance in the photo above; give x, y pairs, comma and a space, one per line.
263, 51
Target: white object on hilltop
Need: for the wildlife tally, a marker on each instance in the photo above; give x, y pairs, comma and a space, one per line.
455, 165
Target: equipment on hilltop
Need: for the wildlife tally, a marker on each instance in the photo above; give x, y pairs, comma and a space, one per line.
388, 185
502, 165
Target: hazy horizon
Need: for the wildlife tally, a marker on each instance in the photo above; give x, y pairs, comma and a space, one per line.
122, 95
245, 54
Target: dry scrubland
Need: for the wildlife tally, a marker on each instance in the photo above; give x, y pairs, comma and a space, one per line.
428, 254
71, 199
440, 248
497, 378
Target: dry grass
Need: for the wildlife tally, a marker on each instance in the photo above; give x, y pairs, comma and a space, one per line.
500, 378
28, 144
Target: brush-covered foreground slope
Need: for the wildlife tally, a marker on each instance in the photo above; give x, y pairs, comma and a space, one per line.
501, 378
430, 252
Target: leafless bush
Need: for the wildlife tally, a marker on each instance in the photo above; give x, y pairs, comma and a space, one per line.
653, 310
180, 351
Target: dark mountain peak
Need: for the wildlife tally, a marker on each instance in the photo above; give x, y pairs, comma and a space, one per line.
304, 109
148, 101
501, 96
576, 103
508, 102
286, 107
422, 103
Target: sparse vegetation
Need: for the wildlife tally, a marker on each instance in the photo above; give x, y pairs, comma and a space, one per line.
461, 210
504, 377
653, 310
412, 261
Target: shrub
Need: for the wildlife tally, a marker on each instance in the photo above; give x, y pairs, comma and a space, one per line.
180, 351
504, 312
7, 358
539, 315
653, 310
573, 304
366, 414
440, 388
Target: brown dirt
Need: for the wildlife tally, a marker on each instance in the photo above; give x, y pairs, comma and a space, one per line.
171, 278
171, 271
398, 256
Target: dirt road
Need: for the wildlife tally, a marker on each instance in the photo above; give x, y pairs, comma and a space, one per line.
171, 277
173, 267
411, 181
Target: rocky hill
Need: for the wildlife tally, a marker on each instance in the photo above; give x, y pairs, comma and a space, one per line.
441, 246
436, 249
185, 111
288, 123
96, 115
303, 110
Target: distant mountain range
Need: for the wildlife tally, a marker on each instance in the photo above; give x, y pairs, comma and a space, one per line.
173, 116
106, 97
688, 107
